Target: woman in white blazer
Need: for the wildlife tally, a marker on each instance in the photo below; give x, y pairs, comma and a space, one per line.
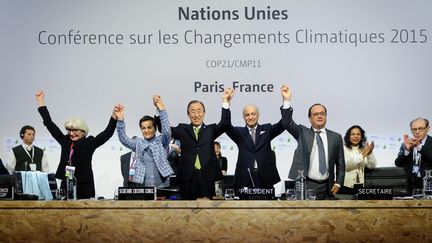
358, 155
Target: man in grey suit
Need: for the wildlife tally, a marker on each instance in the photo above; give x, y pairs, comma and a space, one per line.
318, 151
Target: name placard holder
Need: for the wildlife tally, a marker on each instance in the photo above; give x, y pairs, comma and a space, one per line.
6, 192
375, 193
247, 193
136, 193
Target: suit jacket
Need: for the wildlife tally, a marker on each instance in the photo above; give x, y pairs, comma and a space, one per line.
305, 137
223, 163
260, 151
408, 163
124, 165
3, 170
190, 147
82, 156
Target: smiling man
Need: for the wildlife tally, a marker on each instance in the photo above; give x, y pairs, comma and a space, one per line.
256, 162
415, 154
318, 151
198, 167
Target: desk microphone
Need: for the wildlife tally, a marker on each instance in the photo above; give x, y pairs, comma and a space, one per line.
250, 175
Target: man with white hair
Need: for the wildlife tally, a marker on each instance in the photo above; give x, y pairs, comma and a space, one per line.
256, 162
415, 154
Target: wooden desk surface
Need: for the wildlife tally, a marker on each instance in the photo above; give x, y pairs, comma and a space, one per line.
214, 221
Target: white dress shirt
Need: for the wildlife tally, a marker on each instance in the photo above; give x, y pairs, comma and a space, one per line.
10, 166
314, 173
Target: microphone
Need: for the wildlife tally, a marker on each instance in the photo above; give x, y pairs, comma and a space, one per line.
250, 175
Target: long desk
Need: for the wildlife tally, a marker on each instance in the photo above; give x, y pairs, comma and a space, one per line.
216, 221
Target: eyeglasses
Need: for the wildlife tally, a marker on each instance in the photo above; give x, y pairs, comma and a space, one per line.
316, 114
419, 129
69, 130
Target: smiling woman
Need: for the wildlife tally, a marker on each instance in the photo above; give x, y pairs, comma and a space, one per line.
152, 168
77, 149
358, 156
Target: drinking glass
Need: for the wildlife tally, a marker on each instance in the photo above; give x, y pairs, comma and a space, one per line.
60, 194
229, 194
417, 194
310, 194
290, 194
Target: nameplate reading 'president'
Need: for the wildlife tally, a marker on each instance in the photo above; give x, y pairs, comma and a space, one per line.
247, 193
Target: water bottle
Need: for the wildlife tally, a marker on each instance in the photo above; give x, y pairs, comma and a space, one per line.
427, 185
152, 183
300, 186
71, 186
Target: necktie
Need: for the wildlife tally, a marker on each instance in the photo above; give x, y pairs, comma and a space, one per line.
253, 134
197, 160
417, 161
321, 154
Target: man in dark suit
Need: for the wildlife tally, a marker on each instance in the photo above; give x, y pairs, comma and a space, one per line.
255, 157
318, 151
199, 168
125, 163
3, 170
415, 154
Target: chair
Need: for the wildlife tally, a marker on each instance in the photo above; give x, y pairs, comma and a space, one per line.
393, 177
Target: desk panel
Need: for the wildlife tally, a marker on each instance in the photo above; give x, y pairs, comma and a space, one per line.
217, 221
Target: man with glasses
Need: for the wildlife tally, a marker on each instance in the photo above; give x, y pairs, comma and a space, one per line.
415, 154
318, 151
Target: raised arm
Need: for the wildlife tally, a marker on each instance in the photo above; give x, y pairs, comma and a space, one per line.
53, 129
278, 128
226, 114
166, 130
287, 119
121, 128
107, 133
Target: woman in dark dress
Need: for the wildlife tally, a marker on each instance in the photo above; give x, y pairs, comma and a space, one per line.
76, 147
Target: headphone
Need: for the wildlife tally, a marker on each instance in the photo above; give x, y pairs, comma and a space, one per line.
24, 129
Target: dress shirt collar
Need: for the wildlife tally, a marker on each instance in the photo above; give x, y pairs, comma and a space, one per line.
322, 130
27, 147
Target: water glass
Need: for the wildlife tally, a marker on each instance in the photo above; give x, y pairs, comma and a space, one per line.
290, 194
60, 194
229, 194
116, 193
310, 194
417, 194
